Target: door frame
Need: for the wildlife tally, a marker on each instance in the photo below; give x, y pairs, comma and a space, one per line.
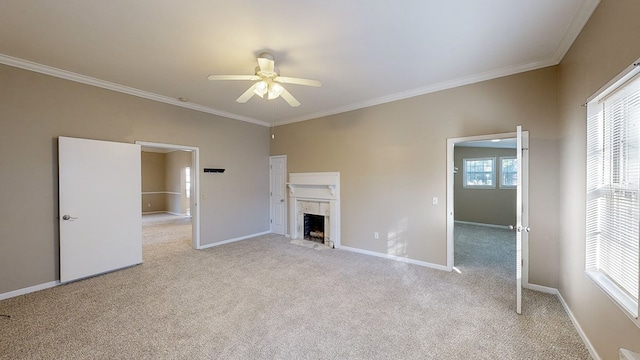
195, 183
284, 192
525, 195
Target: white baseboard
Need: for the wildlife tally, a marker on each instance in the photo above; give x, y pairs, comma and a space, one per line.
393, 257
481, 224
576, 325
628, 355
163, 212
540, 288
174, 213
28, 290
223, 242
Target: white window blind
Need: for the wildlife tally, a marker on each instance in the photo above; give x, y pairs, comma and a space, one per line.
613, 185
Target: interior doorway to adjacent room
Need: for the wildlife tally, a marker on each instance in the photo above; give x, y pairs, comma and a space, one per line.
169, 192
479, 173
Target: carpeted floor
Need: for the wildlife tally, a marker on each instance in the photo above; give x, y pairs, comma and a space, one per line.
159, 228
265, 298
485, 249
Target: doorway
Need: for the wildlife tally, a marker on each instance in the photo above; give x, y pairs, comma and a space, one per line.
484, 196
180, 200
277, 194
480, 181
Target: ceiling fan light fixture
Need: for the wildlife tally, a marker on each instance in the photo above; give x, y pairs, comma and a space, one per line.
267, 82
261, 88
275, 90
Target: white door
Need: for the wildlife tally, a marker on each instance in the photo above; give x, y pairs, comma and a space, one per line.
519, 227
100, 214
278, 171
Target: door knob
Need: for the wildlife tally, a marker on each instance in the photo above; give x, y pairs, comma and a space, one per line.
519, 228
281, 200
68, 217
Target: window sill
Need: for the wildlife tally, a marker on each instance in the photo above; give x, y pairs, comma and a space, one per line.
628, 305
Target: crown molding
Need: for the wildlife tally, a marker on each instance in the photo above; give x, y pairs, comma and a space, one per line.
467, 80
573, 30
87, 80
575, 27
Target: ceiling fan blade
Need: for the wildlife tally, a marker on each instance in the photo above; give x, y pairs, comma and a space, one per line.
233, 77
291, 80
289, 98
266, 63
247, 95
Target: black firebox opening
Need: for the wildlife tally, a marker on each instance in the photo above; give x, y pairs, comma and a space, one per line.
314, 227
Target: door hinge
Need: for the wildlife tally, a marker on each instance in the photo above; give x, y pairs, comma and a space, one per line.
271, 221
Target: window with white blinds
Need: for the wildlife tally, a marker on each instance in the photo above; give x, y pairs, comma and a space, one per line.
613, 189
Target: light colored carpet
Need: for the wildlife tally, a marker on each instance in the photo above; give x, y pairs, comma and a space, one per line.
159, 228
486, 250
310, 244
265, 298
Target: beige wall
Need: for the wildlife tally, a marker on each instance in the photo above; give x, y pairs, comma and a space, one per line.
392, 161
606, 46
35, 109
177, 161
153, 180
495, 206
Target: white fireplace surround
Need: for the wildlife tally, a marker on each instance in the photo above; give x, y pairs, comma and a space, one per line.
316, 194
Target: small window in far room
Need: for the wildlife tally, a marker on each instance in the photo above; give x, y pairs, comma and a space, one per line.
508, 172
479, 173
187, 181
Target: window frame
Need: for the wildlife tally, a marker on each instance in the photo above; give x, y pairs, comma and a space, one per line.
500, 183
629, 305
493, 173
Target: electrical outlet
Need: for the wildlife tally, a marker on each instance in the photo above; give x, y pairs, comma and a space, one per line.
376, 235
435, 200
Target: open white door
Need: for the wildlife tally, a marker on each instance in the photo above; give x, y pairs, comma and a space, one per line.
100, 214
277, 171
519, 227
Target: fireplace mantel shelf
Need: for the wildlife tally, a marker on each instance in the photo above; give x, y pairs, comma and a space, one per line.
293, 186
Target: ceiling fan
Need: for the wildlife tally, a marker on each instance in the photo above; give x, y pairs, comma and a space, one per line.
267, 81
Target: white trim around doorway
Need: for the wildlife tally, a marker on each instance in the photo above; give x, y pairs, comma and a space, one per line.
195, 195
525, 197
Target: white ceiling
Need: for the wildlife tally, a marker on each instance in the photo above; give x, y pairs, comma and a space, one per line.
364, 52
497, 143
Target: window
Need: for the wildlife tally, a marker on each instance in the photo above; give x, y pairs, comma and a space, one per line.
508, 172
613, 179
187, 181
187, 188
479, 173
